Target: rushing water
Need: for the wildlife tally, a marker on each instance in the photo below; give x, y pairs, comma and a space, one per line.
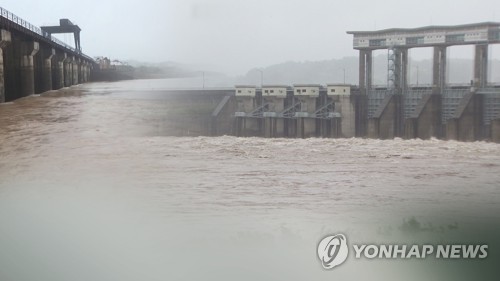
92, 187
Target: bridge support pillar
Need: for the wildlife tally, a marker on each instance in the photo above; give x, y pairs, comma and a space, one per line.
83, 65
404, 69
387, 120
88, 70
58, 71
47, 55
68, 77
495, 130
466, 123
365, 69
28, 50
249, 127
439, 67
5, 39
75, 67
425, 121
306, 127
481, 66
85, 72
365, 84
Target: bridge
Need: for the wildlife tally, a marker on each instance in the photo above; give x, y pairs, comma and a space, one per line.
32, 61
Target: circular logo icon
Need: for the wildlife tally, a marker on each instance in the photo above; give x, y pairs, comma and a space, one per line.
333, 251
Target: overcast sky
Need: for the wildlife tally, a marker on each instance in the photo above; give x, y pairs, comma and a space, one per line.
235, 35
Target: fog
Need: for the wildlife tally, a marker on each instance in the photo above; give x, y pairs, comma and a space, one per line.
233, 36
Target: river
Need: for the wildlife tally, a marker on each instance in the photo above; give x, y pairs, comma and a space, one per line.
93, 186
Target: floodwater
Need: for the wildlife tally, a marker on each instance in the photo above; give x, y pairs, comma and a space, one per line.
94, 187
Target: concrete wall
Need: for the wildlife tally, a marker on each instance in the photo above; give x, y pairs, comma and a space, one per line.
274, 92
330, 128
425, 121
5, 41
245, 91
273, 123
307, 126
311, 91
361, 112
248, 127
343, 90
466, 124
387, 120
190, 113
223, 120
245, 104
348, 113
275, 103
12, 82
274, 127
495, 130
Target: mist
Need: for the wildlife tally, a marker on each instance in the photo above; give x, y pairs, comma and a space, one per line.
232, 37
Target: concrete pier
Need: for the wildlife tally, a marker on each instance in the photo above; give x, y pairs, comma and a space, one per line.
425, 121
365, 84
46, 54
385, 123
27, 67
58, 70
495, 130
307, 97
466, 122
347, 109
68, 72
75, 69
222, 116
365, 69
274, 98
83, 72
439, 67
481, 65
5, 40
247, 121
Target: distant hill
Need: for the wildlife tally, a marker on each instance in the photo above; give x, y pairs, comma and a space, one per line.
332, 71
317, 72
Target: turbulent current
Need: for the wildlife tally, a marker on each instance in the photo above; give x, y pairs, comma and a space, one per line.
93, 187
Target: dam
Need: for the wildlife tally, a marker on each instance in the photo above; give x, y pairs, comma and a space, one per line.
441, 110
32, 61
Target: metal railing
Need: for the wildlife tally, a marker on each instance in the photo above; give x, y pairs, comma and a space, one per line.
25, 24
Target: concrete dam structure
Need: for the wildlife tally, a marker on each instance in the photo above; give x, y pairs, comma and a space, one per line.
300, 111
442, 111
32, 61
465, 113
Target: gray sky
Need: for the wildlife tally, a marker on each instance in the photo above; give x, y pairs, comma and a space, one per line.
233, 36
